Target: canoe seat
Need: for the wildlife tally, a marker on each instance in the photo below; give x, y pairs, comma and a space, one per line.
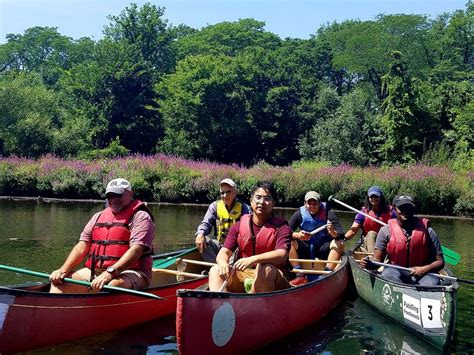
180, 275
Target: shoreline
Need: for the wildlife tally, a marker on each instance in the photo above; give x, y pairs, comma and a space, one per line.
53, 199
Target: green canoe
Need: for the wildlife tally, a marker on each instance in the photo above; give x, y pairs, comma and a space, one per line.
430, 312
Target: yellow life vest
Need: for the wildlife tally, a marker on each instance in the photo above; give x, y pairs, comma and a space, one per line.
226, 219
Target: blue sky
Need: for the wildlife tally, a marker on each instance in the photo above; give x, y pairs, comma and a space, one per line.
286, 18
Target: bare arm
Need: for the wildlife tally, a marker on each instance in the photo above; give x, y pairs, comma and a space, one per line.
353, 230
131, 255
77, 254
222, 260
435, 266
275, 257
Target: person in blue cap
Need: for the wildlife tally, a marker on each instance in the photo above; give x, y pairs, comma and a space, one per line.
375, 206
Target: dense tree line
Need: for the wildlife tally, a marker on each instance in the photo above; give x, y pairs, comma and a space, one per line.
397, 89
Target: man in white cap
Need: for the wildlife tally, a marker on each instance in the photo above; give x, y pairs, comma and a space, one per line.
327, 244
116, 243
220, 215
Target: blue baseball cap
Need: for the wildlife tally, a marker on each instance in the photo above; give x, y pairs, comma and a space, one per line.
374, 190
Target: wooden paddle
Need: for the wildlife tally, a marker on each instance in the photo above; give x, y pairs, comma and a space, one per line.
450, 256
82, 283
471, 282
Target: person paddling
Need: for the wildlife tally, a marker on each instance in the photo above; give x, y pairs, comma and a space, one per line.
326, 244
116, 243
410, 242
375, 206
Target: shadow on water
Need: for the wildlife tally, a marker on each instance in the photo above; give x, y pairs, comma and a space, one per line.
154, 337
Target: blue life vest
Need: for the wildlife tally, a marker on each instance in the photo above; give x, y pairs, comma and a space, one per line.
309, 223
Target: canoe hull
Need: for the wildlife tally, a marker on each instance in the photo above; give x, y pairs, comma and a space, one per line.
429, 311
31, 319
218, 322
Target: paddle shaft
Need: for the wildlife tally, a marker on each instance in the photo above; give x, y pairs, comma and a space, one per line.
356, 210
317, 230
79, 282
224, 285
430, 273
172, 253
451, 256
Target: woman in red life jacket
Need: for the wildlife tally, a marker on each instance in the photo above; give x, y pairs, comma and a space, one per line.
263, 242
375, 206
410, 242
117, 244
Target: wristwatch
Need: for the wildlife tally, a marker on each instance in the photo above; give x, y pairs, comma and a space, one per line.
111, 270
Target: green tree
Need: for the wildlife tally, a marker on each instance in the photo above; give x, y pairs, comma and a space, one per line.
148, 32
403, 128
29, 114
204, 111
45, 51
227, 38
347, 133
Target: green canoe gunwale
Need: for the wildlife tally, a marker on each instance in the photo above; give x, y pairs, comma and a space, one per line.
428, 310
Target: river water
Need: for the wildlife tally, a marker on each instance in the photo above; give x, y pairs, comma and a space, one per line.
38, 235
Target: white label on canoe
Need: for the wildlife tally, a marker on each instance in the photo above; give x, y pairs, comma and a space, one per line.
5, 302
431, 313
411, 309
223, 324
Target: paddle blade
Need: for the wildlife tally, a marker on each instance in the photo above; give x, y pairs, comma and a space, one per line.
450, 256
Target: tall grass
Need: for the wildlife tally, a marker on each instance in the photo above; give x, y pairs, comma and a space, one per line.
437, 189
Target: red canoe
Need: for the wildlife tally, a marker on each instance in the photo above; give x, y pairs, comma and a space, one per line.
229, 323
30, 317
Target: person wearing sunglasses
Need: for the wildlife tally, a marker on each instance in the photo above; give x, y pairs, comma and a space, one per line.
220, 216
116, 244
377, 207
261, 241
408, 241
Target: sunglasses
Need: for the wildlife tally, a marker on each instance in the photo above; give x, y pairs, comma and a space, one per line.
112, 195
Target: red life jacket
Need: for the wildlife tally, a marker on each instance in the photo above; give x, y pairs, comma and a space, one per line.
263, 242
111, 236
370, 225
411, 251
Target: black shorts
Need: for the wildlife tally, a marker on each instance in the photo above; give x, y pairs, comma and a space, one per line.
321, 251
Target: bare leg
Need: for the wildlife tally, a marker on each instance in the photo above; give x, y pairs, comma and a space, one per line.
66, 287
265, 277
215, 280
337, 249
293, 254
369, 241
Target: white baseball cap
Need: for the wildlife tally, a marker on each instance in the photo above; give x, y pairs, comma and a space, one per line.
312, 195
229, 182
118, 186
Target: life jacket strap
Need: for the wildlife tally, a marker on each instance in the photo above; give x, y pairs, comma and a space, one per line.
111, 224
109, 242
